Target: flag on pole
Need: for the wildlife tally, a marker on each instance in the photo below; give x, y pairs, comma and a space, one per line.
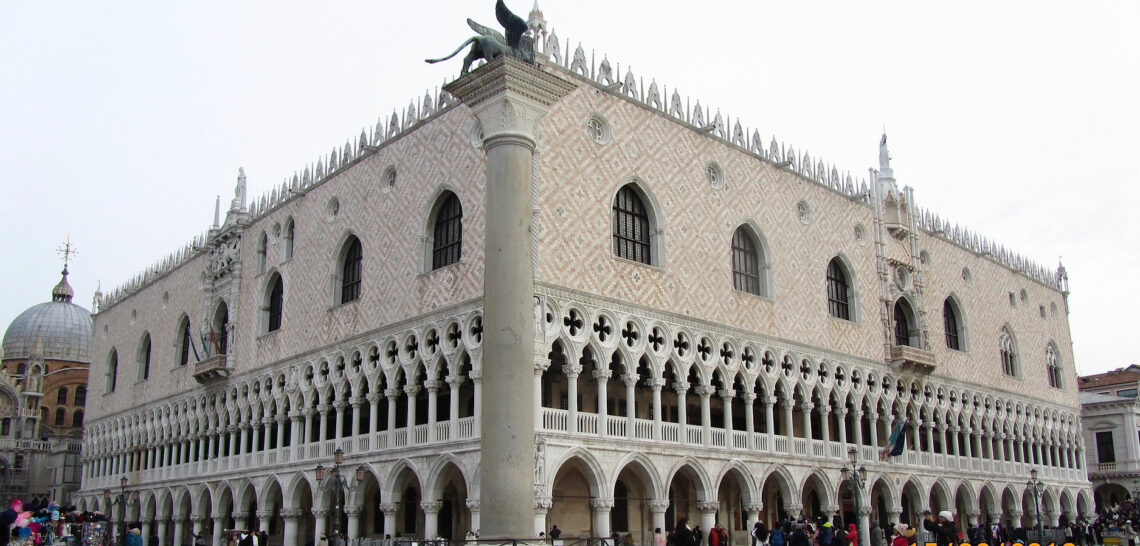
190, 339
889, 447
214, 340
900, 442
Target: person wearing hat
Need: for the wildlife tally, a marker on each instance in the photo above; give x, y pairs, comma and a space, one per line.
898, 535
943, 528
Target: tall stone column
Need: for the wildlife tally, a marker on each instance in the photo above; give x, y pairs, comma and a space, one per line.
161, 525
542, 506
602, 508
508, 97
473, 507
292, 520
389, 509
179, 536
431, 518
657, 509
320, 515
264, 517
219, 526
708, 511
353, 515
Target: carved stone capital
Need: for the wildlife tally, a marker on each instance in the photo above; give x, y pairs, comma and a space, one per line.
392, 392
241, 515
263, 514
389, 507
455, 380
543, 504
433, 385
704, 390
412, 390
339, 405
708, 507
473, 505
509, 96
431, 507
319, 512
655, 382
292, 513
352, 511
603, 375
751, 507
681, 387
726, 394
658, 506
602, 504
629, 379
748, 397
372, 397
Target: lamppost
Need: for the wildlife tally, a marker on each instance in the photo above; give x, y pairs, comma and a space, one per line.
858, 478
123, 499
337, 482
1036, 486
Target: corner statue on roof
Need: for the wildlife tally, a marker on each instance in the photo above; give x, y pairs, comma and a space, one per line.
490, 44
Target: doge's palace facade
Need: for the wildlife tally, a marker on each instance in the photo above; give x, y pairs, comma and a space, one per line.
716, 322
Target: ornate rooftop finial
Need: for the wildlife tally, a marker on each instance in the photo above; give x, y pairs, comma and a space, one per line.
67, 250
537, 24
98, 297
62, 291
884, 156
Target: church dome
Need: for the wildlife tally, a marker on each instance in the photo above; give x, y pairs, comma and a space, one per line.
54, 330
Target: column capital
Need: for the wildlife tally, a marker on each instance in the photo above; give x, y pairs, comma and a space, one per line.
389, 507
680, 386
543, 504
726, 394
262, 514
655, 382
602, 504
658, 506
707, 507
604, 374
753, 506
241, 515
455, 380
433, 385
393, 392
372, 397
473, 505
431, 507
292, 513
509, 96
703, 390
319, 512
748, 397
840, 411
339, 405
355, 401
629, 379
352, 511
412, 390
541, 364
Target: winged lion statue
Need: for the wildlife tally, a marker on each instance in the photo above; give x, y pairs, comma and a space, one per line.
490, 44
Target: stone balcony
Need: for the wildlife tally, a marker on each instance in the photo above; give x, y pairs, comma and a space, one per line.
905, 356
211, 370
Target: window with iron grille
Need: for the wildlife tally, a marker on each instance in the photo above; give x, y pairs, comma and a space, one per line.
745, 263
837, 291
350, 272
631, 227
950, 324
276, 297
447, 240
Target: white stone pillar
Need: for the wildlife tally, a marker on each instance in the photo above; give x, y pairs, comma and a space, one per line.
630, 381
289, 534
726, 397
705, 392
453, 403
477, 383
841, 424
161, 524
789, 430
320, 515
355, 403
432, 387
601, 508
338, 434
805, 410
508, 97
431, 518
769, 420
263, 519
572, 372
473, 507
393, 395
873, 419
389, 509
602, 377
682, 389
373, 413
146, 528
656, 383
708, 515
825, 422
412, 391
323, 411
542, 507
219, 526
749, 421
657, 509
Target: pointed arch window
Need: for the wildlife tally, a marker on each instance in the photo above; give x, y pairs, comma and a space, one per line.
274, 304
184, 341
144, 358
351, 271
746, 263
1008, 350
290, 229
950, 323
447, 235
838, 291
1053, 366
904, 329
61, 397
219, 330
631, 226
113, 371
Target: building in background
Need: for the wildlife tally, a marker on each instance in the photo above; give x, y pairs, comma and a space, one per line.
718, 322
43, 394
1110, 412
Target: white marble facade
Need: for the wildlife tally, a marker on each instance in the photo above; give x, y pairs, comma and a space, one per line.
661, 391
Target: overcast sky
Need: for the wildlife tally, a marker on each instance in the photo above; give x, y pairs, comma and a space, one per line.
120, 122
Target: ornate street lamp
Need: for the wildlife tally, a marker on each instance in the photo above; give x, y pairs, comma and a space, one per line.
337, 482
858, 479
1036, 486
123, 500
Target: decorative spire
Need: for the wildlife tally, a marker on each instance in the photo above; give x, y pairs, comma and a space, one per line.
62, 291
537, 25
885, 159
